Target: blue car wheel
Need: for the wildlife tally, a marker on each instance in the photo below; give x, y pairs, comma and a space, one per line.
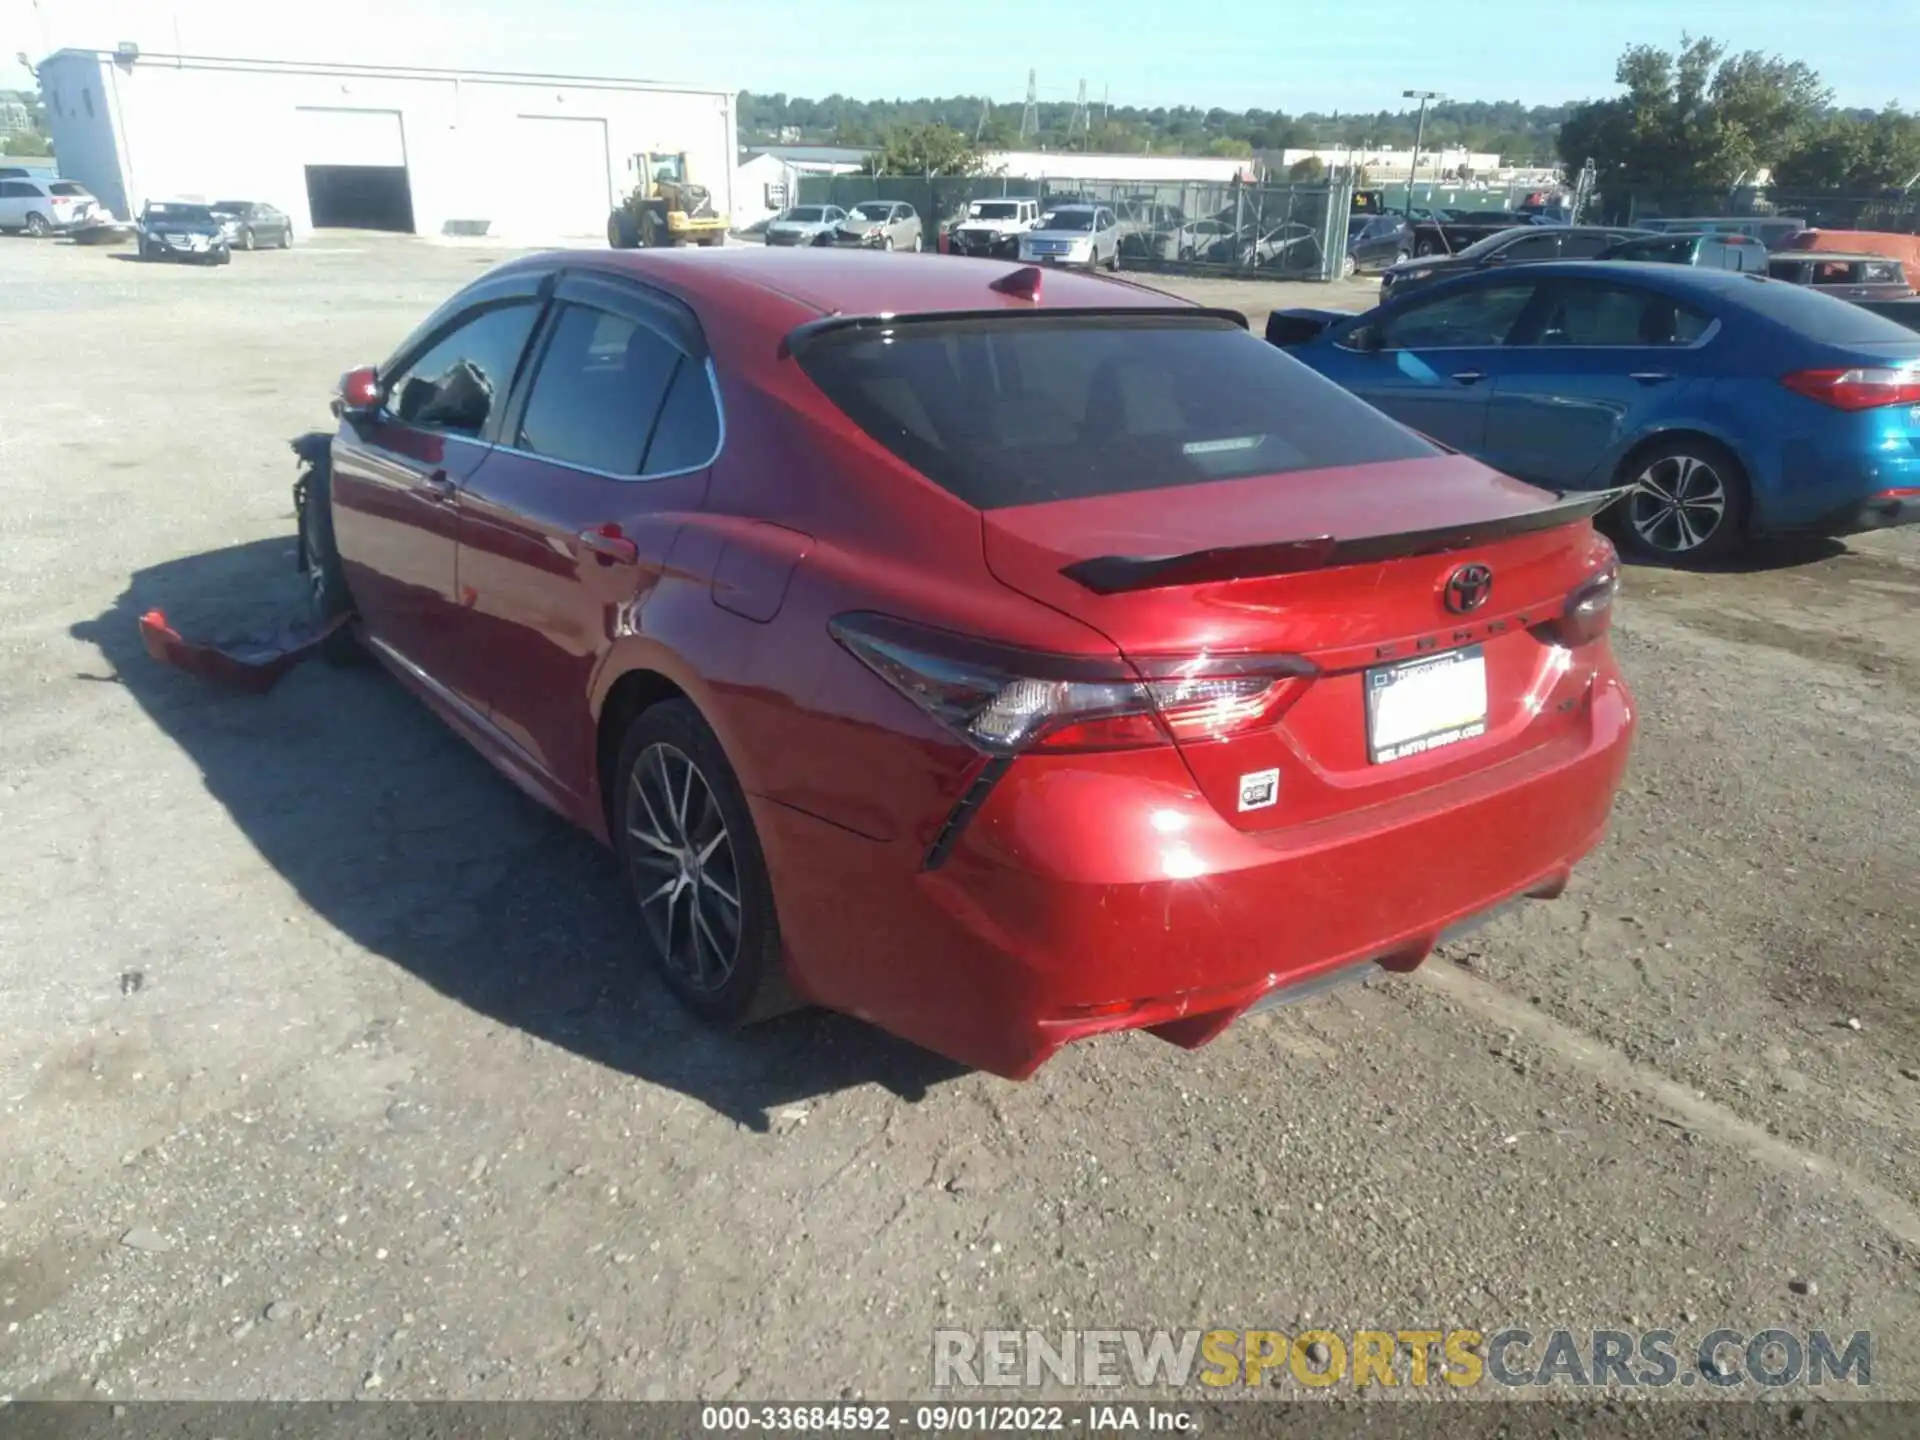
1689, 503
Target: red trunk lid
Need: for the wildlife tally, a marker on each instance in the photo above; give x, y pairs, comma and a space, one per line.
1267, 589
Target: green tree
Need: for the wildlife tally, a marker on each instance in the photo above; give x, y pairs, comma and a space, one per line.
1693, 119
1851, 154
927, 149
1310, 171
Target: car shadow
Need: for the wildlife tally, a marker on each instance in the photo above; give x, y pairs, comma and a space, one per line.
399, 836
1756, 557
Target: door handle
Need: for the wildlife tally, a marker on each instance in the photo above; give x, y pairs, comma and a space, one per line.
1469, 377
439, 486
610, 545
1650, 377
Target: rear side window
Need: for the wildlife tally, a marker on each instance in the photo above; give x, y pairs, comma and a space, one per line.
1597, 314
598, 390
1006, 412
1883, 272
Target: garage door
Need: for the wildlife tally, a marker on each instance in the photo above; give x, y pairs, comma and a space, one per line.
360, 138
356, 165
575, 190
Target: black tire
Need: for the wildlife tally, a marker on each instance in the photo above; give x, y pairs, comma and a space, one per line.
246, 239
1424, 248
886, 242
718, 860
1690, 504
1113, 265
649, 231
327, 594
622, 233
223, 257
37, 225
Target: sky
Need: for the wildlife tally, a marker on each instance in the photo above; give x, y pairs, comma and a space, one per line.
1291, 55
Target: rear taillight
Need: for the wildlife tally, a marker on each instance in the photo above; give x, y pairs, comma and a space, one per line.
1004, 700
1865, 387
1588, 613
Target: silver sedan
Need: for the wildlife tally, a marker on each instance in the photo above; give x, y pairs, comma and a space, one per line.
880, 225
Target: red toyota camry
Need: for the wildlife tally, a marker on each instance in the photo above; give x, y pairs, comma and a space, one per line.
1002, 657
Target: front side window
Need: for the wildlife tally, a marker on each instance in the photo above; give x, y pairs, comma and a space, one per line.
1583, 247
1002, 412
1882, 272
1533, 247
459, 381
1472, 318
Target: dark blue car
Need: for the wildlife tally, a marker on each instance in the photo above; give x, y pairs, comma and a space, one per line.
1736, 405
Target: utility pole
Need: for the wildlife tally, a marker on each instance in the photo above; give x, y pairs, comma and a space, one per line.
1030, 117
1419, 134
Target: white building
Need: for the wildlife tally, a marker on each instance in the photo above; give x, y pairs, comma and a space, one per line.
769, 179
431, 151
1146, 169
1383, 164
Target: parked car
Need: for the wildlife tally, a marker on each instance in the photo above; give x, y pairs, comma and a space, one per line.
878, 225
253, 224
993, 228
803, 224
171, 230
1516, 245
1383, 240
1083, 235
1735, 405
42, 207
1725, 251
1846, 277
1772, 231
913, 727
1462, 229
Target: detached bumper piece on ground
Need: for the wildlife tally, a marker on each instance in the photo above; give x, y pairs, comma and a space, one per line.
253, 663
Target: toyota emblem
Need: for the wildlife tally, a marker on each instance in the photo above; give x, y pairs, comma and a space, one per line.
1468, 588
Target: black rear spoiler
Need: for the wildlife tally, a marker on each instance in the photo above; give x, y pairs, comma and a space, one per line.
1296, 327
1116, 574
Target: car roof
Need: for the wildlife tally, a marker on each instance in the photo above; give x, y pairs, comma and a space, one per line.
785, 287
1815, 255
1678, 279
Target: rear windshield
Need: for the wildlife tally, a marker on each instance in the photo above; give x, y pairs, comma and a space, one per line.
66, 187
1022, 411
1817, 316
806, 214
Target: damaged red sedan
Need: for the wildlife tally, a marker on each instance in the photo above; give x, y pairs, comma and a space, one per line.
1003, 658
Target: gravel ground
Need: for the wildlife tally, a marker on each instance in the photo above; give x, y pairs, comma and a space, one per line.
328, 1071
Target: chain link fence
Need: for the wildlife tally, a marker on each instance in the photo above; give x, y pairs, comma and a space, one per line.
1897, 214
1280, 232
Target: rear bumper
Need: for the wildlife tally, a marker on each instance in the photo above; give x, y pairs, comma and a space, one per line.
1085, 896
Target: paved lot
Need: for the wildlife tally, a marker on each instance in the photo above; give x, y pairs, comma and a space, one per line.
327, 1069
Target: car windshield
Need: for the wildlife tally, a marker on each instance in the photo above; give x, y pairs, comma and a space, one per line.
1495, 242
872, 210
993, 210
1068, 220
1021, 412
806, 214
66, 187
181, 214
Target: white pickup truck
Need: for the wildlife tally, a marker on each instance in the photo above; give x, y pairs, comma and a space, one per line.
993, 228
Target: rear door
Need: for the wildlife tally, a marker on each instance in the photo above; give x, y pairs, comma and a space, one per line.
568, 527
398, 475
14, 195
1439, 358
1593, 364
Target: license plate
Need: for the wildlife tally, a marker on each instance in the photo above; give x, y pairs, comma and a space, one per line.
1421, 705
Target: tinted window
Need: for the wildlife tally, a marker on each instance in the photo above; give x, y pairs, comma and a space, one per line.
66, 187
599, 387
1018, 412
457, 383
1883, 272
1808, 312
1533, 247
1583, 247
1614, 315
1479, 316
688, 431
15, 190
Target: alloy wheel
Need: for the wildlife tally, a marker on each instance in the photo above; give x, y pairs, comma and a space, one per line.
1677, 505
36, 225
683, 867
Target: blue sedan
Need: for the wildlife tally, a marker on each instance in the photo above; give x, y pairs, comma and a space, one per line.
1735, 405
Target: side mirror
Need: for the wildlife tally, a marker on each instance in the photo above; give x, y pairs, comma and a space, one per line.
358, 395
1367, 340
